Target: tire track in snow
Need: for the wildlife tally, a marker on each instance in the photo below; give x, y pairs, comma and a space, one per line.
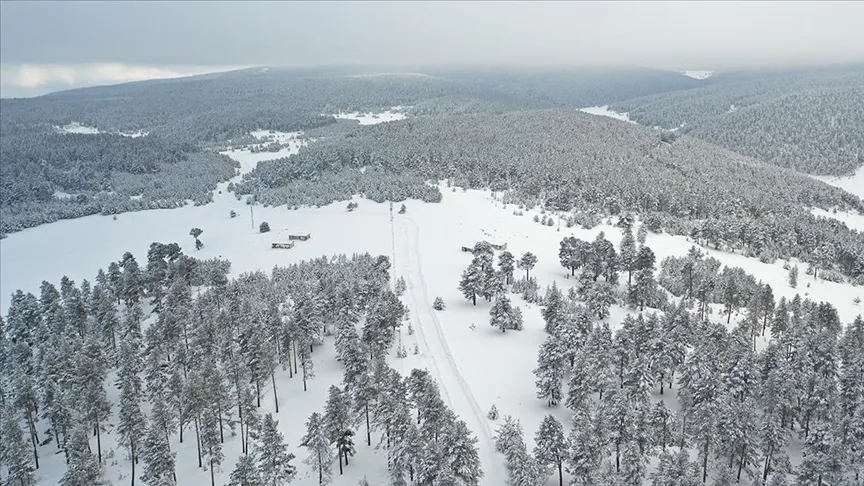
468, 403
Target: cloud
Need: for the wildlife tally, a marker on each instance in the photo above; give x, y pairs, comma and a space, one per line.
31, 79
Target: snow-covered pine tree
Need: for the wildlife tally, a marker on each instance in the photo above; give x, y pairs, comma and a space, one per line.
274, 460
505, 266
337, 417
492, 414
211, 444
131, 423
508, 437
17, 459
627, 253
93, 403
599, 298
502, 315
83, 468
245, 472
553, 310
551, 447
793, 277
550, 371
320, 454
159, 460
527, 263
471, 283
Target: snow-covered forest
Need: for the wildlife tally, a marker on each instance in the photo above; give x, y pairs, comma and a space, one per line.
453, 278
808, 121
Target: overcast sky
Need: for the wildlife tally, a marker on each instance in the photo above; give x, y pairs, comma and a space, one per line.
70, 43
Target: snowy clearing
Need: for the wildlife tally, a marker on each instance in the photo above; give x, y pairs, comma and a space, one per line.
852, 220
698, 74
605, 111
371, 118
853, 184
78, 129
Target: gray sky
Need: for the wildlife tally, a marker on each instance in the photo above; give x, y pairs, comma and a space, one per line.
45, 43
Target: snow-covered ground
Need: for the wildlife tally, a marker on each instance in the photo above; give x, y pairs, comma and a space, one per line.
605, 111
474, 365
853, 183
80, 129
698, 74
370, 118
853, 220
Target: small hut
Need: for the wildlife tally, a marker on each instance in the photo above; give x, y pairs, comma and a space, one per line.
300, 237
283, 246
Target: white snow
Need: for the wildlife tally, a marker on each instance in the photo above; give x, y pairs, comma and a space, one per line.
370, 118
475, 368
605, 111
78, 129
135, 134
853, 220
853, 183
64, 195
698, 74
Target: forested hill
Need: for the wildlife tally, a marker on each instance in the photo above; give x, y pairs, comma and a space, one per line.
811, 121
567, 159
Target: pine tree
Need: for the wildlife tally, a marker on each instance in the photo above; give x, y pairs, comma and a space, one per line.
527, 263
628, 252
505, 266
642, 234
503, 316
245, 473
472, 281
793, 276
83, 467
159, 460
550, 371
492, 414
553, 311
274, 460
211, 443
508, 437
600, 298
551, 447
320, 454
16, 457
337, 418
130, 420
195, 233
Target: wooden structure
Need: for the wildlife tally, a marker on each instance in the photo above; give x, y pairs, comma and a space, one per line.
300, 237
465, 248
283, 246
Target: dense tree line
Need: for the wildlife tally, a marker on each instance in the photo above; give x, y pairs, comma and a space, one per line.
808, 121
204, 352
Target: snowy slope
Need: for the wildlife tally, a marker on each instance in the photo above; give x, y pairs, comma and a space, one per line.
853, 184
605, 111
370, 118
475, 366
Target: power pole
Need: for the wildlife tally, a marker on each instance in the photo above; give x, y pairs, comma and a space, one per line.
393, 245
252, 215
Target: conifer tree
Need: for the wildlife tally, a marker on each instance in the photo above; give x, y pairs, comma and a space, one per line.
130, 420
159, 460
505, 266
503, 316
245, 472
551, 447
553, 310
320, 454
628, 252
527, 263
83, 467
16, 457
550, 371
337, 418
274, 460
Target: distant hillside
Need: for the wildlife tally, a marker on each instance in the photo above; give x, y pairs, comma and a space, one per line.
810, 121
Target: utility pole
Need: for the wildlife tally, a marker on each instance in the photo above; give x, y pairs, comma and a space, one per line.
393, 245
252, 215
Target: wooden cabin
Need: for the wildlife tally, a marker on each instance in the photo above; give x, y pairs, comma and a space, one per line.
465, 248
283, 246
300, 237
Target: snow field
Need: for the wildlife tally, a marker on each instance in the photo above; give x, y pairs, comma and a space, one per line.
475, 368
370, 118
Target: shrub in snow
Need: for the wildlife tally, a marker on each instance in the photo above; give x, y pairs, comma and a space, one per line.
403, 209
416, 350
550, 222
856, 300
536, 218
400, 286
493, 413
351, 206
831, 276
264, 227
401, 353
195, 233
793, 277
438, 304
233, 214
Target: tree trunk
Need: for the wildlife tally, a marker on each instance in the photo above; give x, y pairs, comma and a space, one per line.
212, 476
198, 442
368, 429
34, 437
340, 461
99, 442
275, 397
474, 299
295, 356
767, 463
132, 449
258, 393
741, 462
705, 462
560, 474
